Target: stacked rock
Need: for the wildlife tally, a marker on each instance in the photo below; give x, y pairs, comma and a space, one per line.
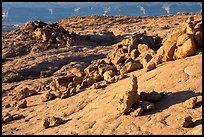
184, 42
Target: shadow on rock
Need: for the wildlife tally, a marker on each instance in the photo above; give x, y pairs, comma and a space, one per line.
171, 99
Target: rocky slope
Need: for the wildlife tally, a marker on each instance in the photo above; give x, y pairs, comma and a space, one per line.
104, 75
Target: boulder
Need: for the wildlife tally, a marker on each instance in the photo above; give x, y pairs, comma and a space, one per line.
182, 39
131, 66
51, 121
190, 103
187, 49
128, 98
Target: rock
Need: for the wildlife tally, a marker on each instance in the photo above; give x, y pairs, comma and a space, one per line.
198, 26
182, 39
146, 105
99, 85
190, 28
51, 122
118, 59
87, 82
46, 123
131, 66
108, 75
169, 48
130, 97
77, 72
55, 121
61, 83
8, 117
48, 96
7, 106
190, 103
137, 112
198, 38
22, 104
91, 68
130, 42
151, 96
23, 92
134, 54
96, 76
187, 49
150, 65
77, 80
142, 48
158, 59
102, 68
179, 120
190, 19
146, 59
72, 90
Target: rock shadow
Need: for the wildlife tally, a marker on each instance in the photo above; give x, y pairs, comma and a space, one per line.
173, 98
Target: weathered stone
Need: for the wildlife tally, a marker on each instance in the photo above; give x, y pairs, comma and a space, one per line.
118, 59
150, 65
77, 80
190, 103
130, 97
169, 48
99, 85
182, 39
108, 75
55, 121
134, 54
51, 121
7, 106
198, 38
142, 48
137, 112
132, 65
198, 26
8, 117
190, 28
77, 72
150, 96
91, 68
22, 104
102, 68
87, 82
96, 76
146, 59
23, 92
187, 49
179, 120
46, 123
47, 96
